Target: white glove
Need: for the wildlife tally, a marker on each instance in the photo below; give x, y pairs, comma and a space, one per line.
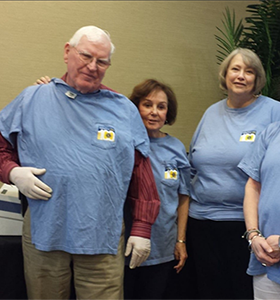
29, 185
140, 247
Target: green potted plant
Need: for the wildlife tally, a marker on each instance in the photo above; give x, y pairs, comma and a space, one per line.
261, 34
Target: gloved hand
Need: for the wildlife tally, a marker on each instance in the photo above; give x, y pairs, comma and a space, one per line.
140, 247
29, 185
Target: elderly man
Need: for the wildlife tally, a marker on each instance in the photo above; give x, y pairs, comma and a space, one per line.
79, 146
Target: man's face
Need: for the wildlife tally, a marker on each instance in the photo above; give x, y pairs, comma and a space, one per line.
86, 77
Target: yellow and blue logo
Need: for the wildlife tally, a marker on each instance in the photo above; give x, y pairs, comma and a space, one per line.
248, 136
106, 134
171, 173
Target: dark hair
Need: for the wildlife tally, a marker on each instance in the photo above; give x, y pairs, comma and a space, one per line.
148, 86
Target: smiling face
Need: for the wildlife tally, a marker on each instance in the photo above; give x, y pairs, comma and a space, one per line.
86, 78
240, 78
153, 110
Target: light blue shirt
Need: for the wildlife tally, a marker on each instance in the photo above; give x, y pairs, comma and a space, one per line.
171, 170
87, 145
263, 165
220, 141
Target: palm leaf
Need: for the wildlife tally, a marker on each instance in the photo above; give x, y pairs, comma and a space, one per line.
230, 35
261, 34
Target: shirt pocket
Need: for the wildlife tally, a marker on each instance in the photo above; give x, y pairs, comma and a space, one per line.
105, 135
170, 176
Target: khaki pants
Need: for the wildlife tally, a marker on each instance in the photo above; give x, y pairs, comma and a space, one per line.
48, 274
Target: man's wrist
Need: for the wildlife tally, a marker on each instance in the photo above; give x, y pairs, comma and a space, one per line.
141, 229
8, 168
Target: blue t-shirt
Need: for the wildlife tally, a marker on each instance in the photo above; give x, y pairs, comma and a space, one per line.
86, 143
220, 141
263, 165
171, 170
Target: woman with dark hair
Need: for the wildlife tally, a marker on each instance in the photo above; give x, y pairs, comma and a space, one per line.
157, 105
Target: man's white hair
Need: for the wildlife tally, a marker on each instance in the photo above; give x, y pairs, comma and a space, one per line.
93, 34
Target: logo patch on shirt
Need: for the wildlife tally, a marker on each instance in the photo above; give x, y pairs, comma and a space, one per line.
106, 134
248, 136
170, 173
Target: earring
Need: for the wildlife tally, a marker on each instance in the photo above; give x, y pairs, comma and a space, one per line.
166, 122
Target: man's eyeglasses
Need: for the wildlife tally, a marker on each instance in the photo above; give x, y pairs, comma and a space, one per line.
87, 59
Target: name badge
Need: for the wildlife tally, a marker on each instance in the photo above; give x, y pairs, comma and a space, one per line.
71, 95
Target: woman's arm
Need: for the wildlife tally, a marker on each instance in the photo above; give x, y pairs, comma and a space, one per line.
250, 205
180, 248
260, 247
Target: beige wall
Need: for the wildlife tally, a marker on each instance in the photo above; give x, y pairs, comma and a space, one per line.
172, 41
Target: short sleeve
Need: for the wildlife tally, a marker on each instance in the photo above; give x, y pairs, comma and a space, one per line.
253, 159
139, 132
184, 187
